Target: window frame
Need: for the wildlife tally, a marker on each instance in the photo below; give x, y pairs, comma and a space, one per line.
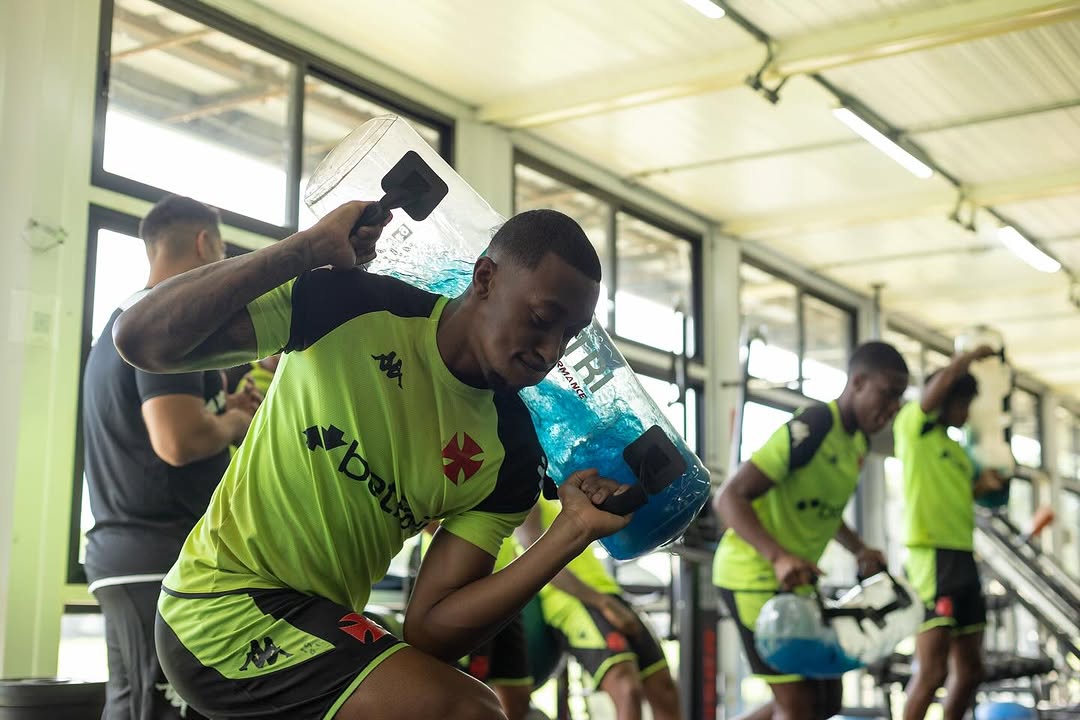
801, 293
303, 63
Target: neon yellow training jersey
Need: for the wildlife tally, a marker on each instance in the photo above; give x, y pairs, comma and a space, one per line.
815, 464
939, 499
366, 438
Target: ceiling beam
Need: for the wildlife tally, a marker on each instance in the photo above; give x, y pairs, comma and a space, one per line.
160, 44
910, 132
805, 54
780, 223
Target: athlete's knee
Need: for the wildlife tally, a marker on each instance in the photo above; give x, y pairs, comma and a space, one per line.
662, 695
970, 672
796, 701
931, 671
622, 683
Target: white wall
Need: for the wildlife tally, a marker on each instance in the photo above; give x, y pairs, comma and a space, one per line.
48, 50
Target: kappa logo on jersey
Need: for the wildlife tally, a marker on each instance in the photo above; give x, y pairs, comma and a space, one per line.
460, 461
799, 432
266, 655
390, 364
362, 628
355, 466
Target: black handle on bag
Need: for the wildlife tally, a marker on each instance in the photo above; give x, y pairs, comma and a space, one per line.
656, 463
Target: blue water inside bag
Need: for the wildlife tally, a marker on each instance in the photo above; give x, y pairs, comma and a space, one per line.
588, 409
791, 636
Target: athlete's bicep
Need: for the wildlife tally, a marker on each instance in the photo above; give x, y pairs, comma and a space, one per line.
449, 564
750, 482
485, 530
773, 459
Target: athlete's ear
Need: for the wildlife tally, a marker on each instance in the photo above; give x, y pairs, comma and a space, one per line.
483, 275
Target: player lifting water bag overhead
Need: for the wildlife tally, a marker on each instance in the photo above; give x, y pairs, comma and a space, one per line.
590, 410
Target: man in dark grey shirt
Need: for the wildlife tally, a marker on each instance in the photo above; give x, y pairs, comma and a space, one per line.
155, 448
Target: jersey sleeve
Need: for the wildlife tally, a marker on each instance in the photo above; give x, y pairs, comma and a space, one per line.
773, 458
485, 530
795, 443
152, 385
912, 423
271, 314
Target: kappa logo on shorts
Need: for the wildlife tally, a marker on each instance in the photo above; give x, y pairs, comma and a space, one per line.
616, 642
266, 655
480, 666
944, 607
460, 458
362, 628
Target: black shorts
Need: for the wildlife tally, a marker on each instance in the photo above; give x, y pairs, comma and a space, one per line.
744, 607
504, 659
137, 688
597, 645
266, 653
949, 585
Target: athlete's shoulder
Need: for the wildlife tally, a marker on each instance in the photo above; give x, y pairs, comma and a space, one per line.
326, 298
524, 464
807, 432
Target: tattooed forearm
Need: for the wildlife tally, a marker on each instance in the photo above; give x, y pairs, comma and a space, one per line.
198, 320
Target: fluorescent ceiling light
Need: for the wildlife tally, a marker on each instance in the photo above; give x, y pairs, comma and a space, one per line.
1024, 249
864, 130
707, 8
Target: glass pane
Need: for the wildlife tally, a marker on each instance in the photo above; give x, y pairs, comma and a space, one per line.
120, 270
1026, 443
769, 313
331, 113
1066, 429
894, 505
82, 654
194, 111
1070, 520
758, 424
654, 287
534, 190
683, 418
827, 331
1021, 502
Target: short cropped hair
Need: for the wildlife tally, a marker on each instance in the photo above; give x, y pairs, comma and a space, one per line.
527, 237
876, 356
174, 211
963, 388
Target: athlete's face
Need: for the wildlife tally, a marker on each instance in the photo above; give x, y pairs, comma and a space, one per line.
529, 317
877, 398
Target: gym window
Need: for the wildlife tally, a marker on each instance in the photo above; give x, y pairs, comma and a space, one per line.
191, 101
651, 294
793, 340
